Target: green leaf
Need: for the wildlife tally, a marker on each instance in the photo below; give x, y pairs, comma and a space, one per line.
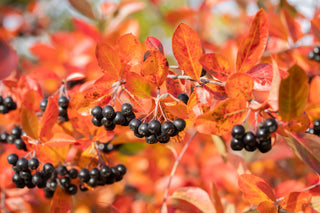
131, 148
293, 93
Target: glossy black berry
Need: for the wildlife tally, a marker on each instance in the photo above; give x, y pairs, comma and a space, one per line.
62, 111
65, 182
271, 125
115, 172
265, 146
126, 109
12, 159
108, 112
122, 169
183, 97
37, 178
250, 148
8, 102
316, 50
316, 126
151, 139
1, 100
236, 144
96, 121
119, 118
72, 189
143, 129
17, 179
238, 131
49, 193
110, 127
168, 127
3, 137
163, 138
14, 106
311, 55
43, 105
249, 139
73, 173
62, 170
154, 127
317, 58
16, 131
96, 112
63, 101
105, 171
310, 130
106, 122
93, 182
180, 124
3, 109
52, 184
26, 175
33, 163
10, 139
22, 164
137, 134
262, 134
84, 175
94, 172
48, 168
130, 117
19, 144
134, 124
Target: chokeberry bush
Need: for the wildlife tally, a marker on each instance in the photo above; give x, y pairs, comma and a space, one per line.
153, 106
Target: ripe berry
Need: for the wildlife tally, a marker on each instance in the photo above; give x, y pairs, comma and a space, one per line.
316, 50
62, 170
1, 100
72, 189
63, 101
151, 139
110, 127
106, 122
271, 125
249, 139
119, 118
19, 144
22, 164
183, 97
137, 134
316, 126
26, 175
143, 129
108, 112
10, 139
16, 132
33, 163
49, 193
96, 121
265, 145
93, 182
130, 117
8, 102
163, 138
126, 109
154, 127
115, 172
250, 148
3, 137
43, 105
4, 109
94, 172
105, 171
236, 144
48, 168
37, 178
262, 134
134, 124
180, 124
52, 184
17, 179
65, 182
310, 130
97, 112
73, 173
122, 169
238, 131
62, 112
84, 175
12, 159
167, 127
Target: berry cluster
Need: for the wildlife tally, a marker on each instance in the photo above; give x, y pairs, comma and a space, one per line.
107, 147
7, 104
49, 177
250, 141
315, 54
14, 138
316, 128
154, 131
107, 117
63, 103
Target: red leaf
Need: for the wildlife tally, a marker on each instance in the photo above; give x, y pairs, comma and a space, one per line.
315, 26
296, 201
8, 60
294, 27
49, 118
153, 44
276, 26
255, 189
288, 186
155, 68
216, 65
239, 84
254, 44
29, 122
108, 59
44, 51
187, 50
43, 73
87, 29
61, 202
262, 75
84, 7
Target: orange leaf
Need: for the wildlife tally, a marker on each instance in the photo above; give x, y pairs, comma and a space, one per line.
255, 189
87, 29
130, 49
61, 139
108, 59
296, 201
254, 43
277, 27
29, 122
294, 27
155, 68
153, 44
8, 59
216, 65
187, 50
220, 120
49, 118
314, 90
267, 207
239, 84
61, 202
84, 7
315, 26
137, 85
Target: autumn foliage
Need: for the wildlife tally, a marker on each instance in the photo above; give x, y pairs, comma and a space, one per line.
253, 68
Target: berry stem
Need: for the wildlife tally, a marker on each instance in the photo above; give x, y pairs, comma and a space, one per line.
203, 80
175, 166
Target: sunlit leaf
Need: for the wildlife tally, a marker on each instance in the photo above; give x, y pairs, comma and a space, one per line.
293, 93
296, 201
153, 43
29, 122
239, 84
187, 50
61, 202
49, 118
315, 26
216, 65
267, 207
129, 49
314, 90
294, 27
254, 44
138, 86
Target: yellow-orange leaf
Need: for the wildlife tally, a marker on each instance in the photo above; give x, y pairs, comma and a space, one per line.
108, 59
255, 189
254, 43
216, 65
61, 202
267, 207
296, 201
239, 84
293, 93
29, 123
129, 49
220, 120
187, 50
49, 118
314, 90
137, 85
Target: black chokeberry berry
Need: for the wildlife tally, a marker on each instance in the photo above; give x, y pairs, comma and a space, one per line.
94, 172
93, 182
26, 175
48, 168
106, 122
119, 118
97, 112
250, 148
271, 125
43, 105
16, 132
236, 144
262, 134
72, 189
126, 109
163, 138
33, 163
183, 97
130, 117
316, 50
62, 112
49, 193
108, 112
310, 130
17, 179
143, 129
19, 144
249, 139
65, 182
154, 127
10, 139
22, 164
3, 137
265, 146
134, 124
52, 184
4, 109
12, 159
8, 102
73, 173
115, 172
316, 127
203, 72
151, 139
63, 101
37, 178
167, 127
122, 169
96, 121
62, 170
180, 124
110, 127
84, 175
238, 131
105, 171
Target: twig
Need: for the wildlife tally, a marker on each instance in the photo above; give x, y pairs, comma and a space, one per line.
175, 166
203, 80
